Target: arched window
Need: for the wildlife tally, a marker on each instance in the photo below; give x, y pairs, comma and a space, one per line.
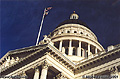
75, 31
81, 32
66, 51
75, 17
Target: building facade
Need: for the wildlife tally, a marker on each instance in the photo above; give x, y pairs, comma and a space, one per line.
71, 51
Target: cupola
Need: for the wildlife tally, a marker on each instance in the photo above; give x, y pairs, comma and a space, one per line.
75, 40
74, 16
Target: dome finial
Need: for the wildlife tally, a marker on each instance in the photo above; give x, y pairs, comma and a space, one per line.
74, 15
73, 11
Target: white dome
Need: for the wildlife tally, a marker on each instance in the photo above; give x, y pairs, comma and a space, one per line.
75, 40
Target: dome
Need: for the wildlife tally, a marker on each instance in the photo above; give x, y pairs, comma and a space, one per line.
73, 21
75, 40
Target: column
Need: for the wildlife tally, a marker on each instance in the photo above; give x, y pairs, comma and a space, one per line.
79, 49
96, 50
60, 46
70, 47
37, 73
44, 70
88, 49
63, 50
83, 53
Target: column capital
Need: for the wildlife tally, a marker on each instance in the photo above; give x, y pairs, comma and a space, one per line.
45, 65
21, 73
36, 66
79, 40
61, 76
61, 40
36, 69
88, 43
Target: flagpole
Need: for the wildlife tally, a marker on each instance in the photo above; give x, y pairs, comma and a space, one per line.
40, 27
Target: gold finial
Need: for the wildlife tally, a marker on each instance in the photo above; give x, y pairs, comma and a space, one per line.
73, 11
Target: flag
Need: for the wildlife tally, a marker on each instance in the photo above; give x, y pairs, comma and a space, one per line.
47, 10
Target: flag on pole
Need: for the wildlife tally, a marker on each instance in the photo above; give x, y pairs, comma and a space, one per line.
47, 10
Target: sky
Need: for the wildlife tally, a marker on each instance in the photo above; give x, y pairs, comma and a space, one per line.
20, 20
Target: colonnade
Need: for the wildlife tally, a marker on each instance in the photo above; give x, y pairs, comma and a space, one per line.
40, 73
80, 51
37, 74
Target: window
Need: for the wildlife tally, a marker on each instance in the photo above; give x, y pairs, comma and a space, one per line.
74, 51
74, 17
81, 52
66, 51
68, 31
75, 31
81, 32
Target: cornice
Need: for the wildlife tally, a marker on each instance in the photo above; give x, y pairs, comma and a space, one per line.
98, 58
26, 49
23, 59
59, 57
57, 54
75, 35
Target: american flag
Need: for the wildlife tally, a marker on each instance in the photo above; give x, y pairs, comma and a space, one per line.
47, 10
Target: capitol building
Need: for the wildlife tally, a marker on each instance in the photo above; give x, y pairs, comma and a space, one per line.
71, 51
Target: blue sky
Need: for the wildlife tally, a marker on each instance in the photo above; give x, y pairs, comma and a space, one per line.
20, 20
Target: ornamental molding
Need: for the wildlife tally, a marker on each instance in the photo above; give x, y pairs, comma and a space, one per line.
26, 49
61, 76
55, 53
45, 65
113, 69
73, 26
59, 37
